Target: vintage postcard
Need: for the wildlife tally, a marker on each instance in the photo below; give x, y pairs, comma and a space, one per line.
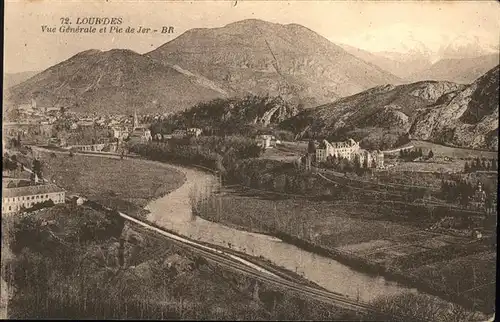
250, 160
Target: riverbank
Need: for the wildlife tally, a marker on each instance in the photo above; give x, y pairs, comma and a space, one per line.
368, 265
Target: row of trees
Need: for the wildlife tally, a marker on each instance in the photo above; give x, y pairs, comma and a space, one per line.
481, 165
217, 153
409, 155
345, 165
464, 192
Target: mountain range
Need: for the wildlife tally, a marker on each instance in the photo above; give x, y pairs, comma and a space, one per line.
416, 53
384, 116
415, 67
242, 58
459, 70
305, 70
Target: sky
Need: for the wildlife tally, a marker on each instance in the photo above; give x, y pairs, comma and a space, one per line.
370, 25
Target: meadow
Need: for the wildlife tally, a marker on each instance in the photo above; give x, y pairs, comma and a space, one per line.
126, 184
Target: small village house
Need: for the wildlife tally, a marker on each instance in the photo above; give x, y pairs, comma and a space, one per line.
194, 131
265, 140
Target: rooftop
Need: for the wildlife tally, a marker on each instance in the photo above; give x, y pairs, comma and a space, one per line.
30, 190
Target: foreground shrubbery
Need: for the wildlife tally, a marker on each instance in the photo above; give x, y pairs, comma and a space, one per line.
413, 307
79, 263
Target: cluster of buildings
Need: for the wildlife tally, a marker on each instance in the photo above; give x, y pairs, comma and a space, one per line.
37, 115
349, 150
136, 132
181, 133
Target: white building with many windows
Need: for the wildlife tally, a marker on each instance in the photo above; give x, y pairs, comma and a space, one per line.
15, 199
349, 150
346, 150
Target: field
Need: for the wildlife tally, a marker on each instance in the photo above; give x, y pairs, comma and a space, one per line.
358, 230
331, 224
437, 166
457, 153
127, 184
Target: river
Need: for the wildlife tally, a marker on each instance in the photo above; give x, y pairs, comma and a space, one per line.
173, 211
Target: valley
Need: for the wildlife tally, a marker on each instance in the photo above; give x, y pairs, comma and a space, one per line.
243, 167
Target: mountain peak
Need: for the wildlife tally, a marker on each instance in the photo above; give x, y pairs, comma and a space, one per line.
252, 22
265, 58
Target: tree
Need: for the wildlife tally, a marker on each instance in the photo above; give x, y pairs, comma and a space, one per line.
478, 163
365, 163
466, 167
37, 168
483, 165
311, 147
431, 154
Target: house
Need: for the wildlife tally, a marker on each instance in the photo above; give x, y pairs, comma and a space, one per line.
14, 199
194, 131
52, 110
120, 133
179, 134
80, 201
372, 159
141, 134
265, 140
85, 123
478, 200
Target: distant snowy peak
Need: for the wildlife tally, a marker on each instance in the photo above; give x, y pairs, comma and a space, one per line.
467, 47
403, 42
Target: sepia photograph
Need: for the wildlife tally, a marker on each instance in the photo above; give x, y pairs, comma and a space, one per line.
269, 160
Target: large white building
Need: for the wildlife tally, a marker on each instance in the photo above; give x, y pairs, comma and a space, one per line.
14, 199
346, 150
349, 150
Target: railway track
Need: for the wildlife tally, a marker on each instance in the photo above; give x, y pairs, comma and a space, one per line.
259, 273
